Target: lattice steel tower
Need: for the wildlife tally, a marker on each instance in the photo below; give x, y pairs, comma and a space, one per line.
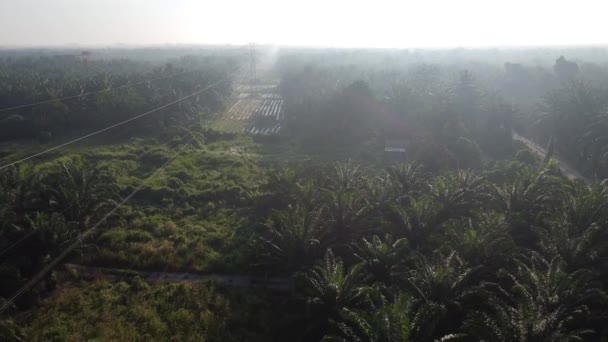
252, 64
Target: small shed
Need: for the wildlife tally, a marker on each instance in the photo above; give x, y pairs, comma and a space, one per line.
398, 133
396, 145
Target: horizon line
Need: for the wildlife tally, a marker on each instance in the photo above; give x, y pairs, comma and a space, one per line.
295, 46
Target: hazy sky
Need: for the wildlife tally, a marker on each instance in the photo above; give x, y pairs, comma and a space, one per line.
340, 23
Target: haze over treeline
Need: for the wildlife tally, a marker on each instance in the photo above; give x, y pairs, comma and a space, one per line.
338, 23
333, 182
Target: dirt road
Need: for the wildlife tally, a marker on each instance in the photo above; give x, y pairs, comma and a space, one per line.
230, 280
566, 169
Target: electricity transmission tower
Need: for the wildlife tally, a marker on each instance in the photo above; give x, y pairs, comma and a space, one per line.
252, 64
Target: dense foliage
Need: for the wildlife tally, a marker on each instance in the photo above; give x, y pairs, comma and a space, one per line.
138, 311
466, 236
512, 253
451, 109
36, 79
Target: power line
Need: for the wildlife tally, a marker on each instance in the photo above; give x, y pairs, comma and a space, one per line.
84, 235
193, 137
30, 234
115, 125
16, 243
90, 93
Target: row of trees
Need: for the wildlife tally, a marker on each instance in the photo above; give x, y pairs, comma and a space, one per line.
449, 119
24, 81
515, 253
460, 114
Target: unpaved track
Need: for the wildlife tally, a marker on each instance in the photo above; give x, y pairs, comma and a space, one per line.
230, 280
566, 169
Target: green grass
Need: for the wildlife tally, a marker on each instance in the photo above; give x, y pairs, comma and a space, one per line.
138, 311
192, 216
228, 125
189, 216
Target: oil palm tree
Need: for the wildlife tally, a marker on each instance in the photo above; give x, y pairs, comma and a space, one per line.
542, 303
458, 193
330, 285
345, 199
576, 233
7, 202
80, 191
569, 112
441, 291
293, 239
578, 249
283, 184
594, 144
52, 231
379, 257
43, 236
584, 205
346, 209
378, 197
483, 240
345, 176
286, 187
417, 221
384, 321
21, 189
406, 179
526, 201
529, 194
329, 289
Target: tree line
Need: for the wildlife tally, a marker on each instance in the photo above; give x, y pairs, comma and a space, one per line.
461, 114
31, 80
